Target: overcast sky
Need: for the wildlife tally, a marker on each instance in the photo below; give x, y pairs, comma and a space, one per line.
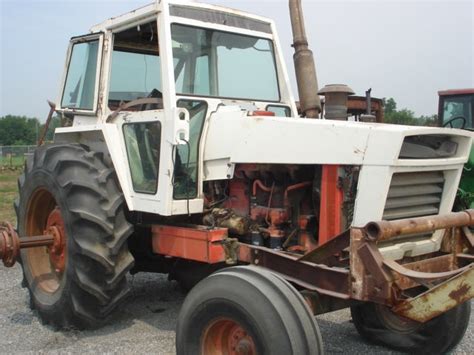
407, 50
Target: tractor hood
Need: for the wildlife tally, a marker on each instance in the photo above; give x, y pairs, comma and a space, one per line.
235, 137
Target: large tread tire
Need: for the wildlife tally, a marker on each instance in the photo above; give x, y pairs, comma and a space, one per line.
271, 311
92, 207
437, 336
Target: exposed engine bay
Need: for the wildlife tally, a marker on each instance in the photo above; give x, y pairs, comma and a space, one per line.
279, 206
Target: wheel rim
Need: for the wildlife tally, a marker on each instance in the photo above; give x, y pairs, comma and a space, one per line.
46, 264
226, 336
395, 322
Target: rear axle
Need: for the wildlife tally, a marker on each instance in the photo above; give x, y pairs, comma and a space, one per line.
11, 243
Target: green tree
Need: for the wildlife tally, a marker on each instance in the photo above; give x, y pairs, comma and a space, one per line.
390, 105
18, 130
429, 120
405, 116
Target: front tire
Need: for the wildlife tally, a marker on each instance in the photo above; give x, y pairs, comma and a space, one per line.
246, 310
69, 191
376, 324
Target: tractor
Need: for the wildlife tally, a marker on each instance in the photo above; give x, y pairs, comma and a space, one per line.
455, 110
186, 155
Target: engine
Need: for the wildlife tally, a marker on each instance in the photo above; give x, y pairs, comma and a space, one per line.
279, 206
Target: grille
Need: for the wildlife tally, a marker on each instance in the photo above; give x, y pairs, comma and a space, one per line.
414, 195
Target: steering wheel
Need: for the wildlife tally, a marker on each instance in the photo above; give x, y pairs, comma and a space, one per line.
457, 118
153, 99
155, 93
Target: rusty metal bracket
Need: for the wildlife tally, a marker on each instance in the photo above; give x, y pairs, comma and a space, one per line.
331, 281
327, 252
379, 286
52, 108
369, 268
440, 298
384, 230
422, 277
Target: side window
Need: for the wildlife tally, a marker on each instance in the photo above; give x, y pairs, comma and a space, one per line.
201, 76
186, 163
79, 89
279, 111
188, 82
459, 110
143, 150
135, 69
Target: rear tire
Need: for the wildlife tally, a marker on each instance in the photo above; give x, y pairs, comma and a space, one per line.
246, 310
436, 336
73, 187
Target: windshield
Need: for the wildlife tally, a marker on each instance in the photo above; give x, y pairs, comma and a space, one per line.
221, 64
457, 111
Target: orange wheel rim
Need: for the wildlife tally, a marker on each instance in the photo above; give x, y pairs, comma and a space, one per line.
226, 336
46, 264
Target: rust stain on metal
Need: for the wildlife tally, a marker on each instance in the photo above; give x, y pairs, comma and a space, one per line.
11, 243
459, 294
331, 281
368, 267
328, 253
439, 299
436, 265
357, 105
384, 230
52, 109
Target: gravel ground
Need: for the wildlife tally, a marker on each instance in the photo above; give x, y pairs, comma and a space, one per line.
145, 324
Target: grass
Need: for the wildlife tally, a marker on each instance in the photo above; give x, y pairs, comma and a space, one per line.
8, 193
14, 161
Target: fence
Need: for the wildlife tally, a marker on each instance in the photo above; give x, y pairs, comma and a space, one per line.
14, 156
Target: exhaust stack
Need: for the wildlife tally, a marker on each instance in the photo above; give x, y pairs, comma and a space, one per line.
304, 64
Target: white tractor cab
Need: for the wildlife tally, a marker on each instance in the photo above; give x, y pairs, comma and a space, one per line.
193, 62
190, 107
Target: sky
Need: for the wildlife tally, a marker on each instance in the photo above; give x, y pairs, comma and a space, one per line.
405, 49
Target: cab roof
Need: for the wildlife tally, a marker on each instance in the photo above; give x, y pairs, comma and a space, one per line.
452, 92
150, 9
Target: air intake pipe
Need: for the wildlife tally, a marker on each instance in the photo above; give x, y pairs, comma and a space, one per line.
304, 64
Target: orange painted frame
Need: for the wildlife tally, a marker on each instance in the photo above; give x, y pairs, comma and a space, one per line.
332, 197
198, 243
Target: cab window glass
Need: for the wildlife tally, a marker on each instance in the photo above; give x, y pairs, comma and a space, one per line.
186, 163
133, 75
142, 141
279, 111
79, 89
135, 69
458, 110
221, 64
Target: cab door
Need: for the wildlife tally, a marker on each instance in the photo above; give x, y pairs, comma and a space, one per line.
81, 79
151, 127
